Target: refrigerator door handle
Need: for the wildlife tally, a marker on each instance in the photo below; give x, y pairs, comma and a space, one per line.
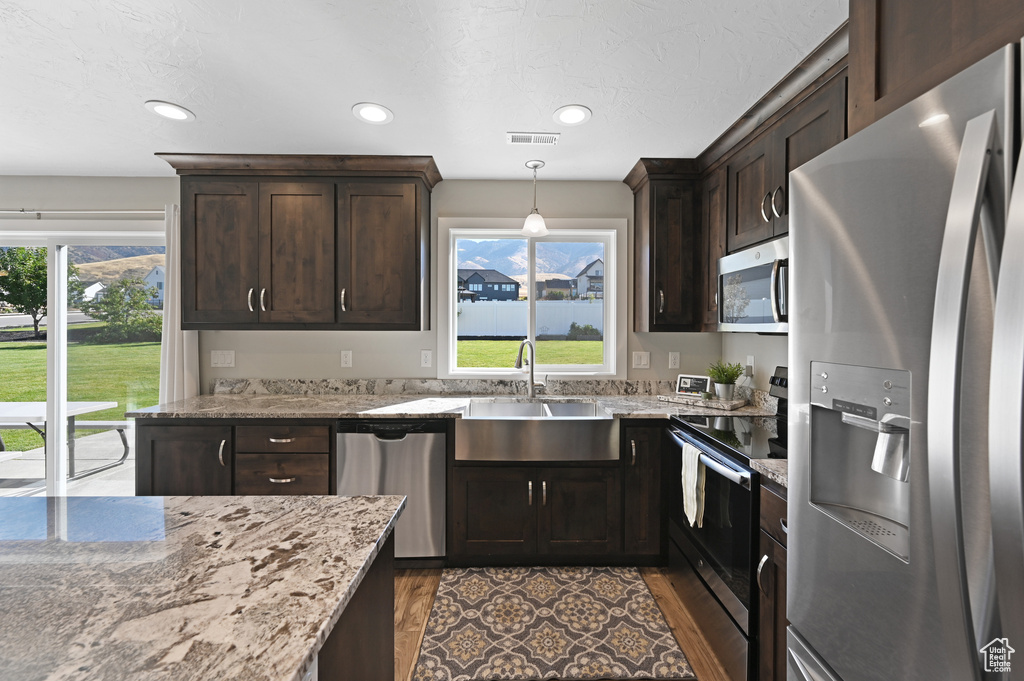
1006, 467
947, 350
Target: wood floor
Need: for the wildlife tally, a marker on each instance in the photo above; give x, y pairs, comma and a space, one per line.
414, 594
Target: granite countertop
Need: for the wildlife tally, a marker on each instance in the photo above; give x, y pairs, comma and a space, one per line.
180, 588
239, 406
773, 469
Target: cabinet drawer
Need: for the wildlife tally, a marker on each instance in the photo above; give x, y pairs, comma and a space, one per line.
283, 438
295, 473
773, 515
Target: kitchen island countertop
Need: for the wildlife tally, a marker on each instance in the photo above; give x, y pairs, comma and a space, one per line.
180, 588
401, 406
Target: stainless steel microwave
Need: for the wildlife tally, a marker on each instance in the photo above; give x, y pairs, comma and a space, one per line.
752, 289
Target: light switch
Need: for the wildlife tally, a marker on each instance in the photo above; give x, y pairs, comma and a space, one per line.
346, 358
641, 360
222, 358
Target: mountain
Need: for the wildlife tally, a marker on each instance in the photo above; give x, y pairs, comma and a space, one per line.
109, 271
83, 254
509, 256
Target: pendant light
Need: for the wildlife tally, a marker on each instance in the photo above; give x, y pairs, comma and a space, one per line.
534, 225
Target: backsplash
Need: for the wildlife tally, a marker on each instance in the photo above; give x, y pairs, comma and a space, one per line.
441, 386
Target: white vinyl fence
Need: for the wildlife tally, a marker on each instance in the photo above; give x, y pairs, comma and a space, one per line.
508, 317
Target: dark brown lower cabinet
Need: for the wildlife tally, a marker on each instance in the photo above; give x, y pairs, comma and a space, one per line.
642, 514
518, 514
183, 460
771, 583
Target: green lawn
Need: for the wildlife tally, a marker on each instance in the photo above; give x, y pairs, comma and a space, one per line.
482, 353
128, 374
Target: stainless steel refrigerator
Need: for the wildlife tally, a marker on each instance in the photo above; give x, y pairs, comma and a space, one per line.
906, 342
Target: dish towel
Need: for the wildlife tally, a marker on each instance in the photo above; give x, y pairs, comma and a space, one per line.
693, 485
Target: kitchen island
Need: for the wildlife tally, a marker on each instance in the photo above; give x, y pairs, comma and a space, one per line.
197, 588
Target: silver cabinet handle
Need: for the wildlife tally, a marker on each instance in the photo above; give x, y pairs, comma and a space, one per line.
661, 301
760, 567
281, 440
263, 306
785, 527
944, 416
529, 489
764, 213
775, 210
544, 493
633, 445
220, 452
281, 481
249, 299
1006, 463
343, 299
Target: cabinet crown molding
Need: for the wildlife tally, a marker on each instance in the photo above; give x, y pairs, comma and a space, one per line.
420, 167
661, 169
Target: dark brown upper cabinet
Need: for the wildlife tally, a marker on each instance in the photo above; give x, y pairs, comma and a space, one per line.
667, 283
305, 242
713, 211
758, 173
382, 256
900, 49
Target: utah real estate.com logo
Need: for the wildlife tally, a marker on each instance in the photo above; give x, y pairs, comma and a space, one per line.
996, 655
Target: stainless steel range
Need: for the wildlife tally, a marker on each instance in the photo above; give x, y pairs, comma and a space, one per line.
713, 523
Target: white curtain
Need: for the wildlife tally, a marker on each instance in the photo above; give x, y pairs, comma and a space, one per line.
179, 350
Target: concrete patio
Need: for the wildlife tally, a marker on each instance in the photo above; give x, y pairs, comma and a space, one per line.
25, 474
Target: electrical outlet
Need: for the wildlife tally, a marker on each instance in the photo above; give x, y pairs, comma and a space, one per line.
346, 358
641, 360
750, 362
222, 358
426, 358
673, 360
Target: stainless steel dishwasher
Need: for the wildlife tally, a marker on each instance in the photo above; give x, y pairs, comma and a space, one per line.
399, 457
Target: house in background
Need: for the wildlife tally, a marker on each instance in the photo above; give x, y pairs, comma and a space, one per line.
155, 279
489, 284
93, 291
590, 280
567, 287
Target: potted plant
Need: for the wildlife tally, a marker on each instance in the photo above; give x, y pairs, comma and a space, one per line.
724, 375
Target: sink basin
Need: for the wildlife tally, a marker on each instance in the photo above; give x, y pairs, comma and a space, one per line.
511, 408
514, 429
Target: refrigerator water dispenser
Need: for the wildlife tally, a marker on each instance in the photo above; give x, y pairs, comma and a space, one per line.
860, 460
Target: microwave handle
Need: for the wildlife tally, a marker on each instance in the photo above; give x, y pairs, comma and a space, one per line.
774, 286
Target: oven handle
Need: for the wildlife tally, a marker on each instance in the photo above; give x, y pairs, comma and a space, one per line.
741, 478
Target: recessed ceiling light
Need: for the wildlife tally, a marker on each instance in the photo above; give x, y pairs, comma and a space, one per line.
933, 120
368, 112
573, 114
169, 110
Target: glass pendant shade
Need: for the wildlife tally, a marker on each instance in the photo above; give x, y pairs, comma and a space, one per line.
534, 225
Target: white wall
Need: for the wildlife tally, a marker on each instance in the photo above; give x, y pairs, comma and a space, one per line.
96, 193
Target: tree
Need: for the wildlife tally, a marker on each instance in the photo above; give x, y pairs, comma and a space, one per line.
23, 287
125, 307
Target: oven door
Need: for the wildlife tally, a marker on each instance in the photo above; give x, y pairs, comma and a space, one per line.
753, 287
719, 542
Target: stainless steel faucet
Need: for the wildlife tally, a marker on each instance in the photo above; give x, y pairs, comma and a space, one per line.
531, 387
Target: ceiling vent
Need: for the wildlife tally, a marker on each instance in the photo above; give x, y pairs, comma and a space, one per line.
549, 139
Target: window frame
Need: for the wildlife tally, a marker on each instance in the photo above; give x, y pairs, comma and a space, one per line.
612, 231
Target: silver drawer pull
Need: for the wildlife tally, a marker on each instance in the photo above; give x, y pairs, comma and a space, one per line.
263, 304
544, 493
785, 527
343, 300
220, 452
760, 567
633, 443
281, 440
249, 299
281, 481
529, 489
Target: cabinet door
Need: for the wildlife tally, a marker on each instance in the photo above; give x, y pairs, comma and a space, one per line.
580, 511
713, 207
816, 124
675, 256
749, 193
643, 508
771, 583
183, 460
297, 255
219, 252
382, 252
494, 511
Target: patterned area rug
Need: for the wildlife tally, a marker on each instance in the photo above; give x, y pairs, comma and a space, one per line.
547, 623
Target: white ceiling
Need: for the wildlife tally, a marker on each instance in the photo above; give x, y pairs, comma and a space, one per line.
663, 78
